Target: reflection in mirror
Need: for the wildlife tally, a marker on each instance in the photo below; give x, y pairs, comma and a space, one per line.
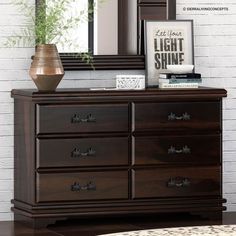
104, 39
77, 37
108, 27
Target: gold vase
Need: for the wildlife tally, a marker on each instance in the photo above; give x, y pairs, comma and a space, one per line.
46, 69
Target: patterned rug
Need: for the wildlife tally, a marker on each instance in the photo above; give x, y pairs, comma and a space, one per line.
218, 230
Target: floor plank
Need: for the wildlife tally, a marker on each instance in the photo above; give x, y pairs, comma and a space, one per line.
10, 228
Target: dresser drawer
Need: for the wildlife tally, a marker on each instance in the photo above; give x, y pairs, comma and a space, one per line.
82, 186
176, 182
80, 152
195, 149
82, 118
184, 115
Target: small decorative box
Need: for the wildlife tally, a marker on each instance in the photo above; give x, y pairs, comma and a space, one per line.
130, 82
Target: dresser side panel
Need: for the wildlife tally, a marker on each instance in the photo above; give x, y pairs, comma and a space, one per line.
24, 151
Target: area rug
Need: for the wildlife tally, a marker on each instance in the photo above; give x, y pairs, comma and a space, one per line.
218, 230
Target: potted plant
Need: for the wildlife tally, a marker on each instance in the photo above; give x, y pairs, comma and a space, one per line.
44, 30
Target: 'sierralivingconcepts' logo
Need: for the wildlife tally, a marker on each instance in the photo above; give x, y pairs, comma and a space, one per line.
205, 8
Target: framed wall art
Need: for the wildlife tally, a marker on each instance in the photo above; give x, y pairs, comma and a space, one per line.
167, 43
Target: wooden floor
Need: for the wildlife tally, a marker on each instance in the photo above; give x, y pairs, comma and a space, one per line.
92, 227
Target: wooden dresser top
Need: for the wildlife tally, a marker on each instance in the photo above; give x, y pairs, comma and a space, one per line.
203, 92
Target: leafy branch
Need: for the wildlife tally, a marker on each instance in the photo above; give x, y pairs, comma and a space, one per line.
49, 23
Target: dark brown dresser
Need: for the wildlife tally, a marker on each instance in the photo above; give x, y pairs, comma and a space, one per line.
81, 153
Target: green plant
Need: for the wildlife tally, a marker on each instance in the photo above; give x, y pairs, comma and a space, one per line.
49, 25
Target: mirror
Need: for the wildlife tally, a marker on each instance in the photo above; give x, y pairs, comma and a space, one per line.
115, 36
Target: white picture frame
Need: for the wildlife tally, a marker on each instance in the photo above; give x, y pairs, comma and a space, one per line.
167, 42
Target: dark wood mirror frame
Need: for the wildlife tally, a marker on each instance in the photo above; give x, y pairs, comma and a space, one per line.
146, 10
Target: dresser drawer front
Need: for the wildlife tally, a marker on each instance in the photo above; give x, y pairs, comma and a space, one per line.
82, 186
195, 149
184, 115
82, 118
81, 152
176, 182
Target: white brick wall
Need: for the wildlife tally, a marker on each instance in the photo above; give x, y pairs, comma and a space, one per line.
215, 50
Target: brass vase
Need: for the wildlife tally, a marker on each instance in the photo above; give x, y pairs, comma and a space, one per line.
46, 69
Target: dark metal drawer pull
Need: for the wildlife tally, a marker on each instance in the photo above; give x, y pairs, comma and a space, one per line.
173, 117
178, 182
76, 187
77, 119
76, 153
184, 150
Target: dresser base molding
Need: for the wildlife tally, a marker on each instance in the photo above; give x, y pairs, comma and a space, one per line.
40, 216
87, 154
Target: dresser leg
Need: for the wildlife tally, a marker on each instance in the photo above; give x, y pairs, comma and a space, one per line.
36, 223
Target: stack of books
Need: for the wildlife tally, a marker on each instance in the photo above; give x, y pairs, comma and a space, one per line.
190, 80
